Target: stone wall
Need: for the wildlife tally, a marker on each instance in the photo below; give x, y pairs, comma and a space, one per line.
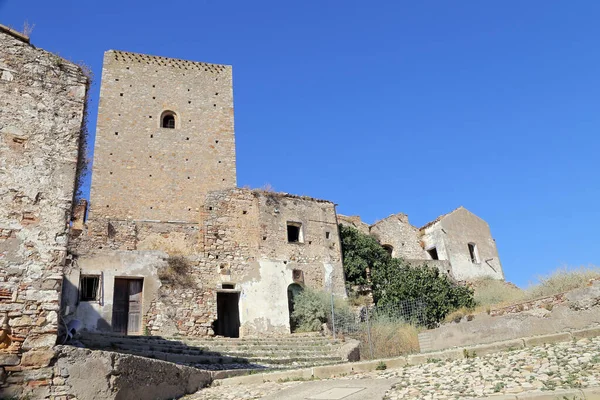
42, 100
397, 232
165, 173
239, 245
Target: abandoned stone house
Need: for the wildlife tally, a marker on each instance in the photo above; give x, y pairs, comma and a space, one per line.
164, 201
458, 243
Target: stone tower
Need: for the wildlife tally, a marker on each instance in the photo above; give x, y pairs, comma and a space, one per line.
164, 137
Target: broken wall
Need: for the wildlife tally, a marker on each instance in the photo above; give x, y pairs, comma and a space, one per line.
397, 232
42, 100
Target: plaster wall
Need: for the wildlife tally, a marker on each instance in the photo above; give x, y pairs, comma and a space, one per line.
96, 316
456, 231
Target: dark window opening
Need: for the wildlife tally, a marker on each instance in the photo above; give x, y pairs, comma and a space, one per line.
327, 234
433, 253
388, 248
294, 232
88, 290
228, 286
168, 121
473, 253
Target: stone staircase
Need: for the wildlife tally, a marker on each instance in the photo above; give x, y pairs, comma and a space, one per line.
294, 351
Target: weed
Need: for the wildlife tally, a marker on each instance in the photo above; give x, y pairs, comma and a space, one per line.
381, 366
499, 386
469, 354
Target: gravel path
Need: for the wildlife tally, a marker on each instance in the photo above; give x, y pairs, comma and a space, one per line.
549, 367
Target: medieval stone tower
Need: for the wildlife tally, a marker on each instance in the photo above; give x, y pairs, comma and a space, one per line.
164, 137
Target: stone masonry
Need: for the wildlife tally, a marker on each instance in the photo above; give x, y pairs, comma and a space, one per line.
164, 172
42, 100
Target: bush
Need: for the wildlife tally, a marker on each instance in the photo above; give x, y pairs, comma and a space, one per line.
390, 338
177, 272
360, 252
398, 282
493, 292
312, 309
393, 281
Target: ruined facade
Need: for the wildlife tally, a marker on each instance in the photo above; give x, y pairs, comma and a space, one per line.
171, 246
458, 243
42, 100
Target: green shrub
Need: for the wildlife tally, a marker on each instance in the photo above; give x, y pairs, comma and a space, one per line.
312, 309
394, 282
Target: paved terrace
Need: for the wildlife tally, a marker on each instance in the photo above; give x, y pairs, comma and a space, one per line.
564, 370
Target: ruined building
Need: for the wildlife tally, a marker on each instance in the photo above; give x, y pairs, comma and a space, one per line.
458, 243
171, 245
42, 100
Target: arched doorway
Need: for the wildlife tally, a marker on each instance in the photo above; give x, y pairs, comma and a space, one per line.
293, 290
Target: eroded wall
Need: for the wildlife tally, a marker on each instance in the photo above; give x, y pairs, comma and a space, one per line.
452, 235
397, 232
42, 100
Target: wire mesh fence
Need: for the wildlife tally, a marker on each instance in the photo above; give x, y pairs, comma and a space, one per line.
384, 331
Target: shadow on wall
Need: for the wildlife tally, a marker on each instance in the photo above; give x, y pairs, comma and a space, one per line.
68, 313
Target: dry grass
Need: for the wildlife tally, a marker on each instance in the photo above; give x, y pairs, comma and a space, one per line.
562, 280
177, 272
390, 339
490, 293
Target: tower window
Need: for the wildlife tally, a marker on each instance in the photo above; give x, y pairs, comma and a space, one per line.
167, 120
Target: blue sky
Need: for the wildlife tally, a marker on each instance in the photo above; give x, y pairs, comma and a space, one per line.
390, 106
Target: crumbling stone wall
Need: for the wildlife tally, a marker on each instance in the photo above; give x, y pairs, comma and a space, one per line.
164, 172
397, 232
451, 235
42, 100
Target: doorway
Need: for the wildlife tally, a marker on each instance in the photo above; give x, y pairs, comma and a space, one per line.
293, 290
127, 306
228, 314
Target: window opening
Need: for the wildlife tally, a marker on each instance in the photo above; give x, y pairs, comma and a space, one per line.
389, 248
473, 253
294, 232
433, 253
168, 120
88, 290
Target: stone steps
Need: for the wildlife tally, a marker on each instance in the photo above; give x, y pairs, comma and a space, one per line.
224, 353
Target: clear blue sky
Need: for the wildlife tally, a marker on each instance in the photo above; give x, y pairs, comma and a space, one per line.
390, 106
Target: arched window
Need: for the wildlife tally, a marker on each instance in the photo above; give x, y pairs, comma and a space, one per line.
389, 248
167, 120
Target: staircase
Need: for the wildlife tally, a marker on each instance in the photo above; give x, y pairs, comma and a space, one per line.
294, 351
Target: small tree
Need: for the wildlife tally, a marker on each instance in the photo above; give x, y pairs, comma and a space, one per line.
360, 252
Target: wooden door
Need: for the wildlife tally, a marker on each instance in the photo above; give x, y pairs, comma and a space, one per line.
134, 320
120, 306
127, 306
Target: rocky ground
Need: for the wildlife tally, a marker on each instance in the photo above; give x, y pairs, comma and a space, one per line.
549, 367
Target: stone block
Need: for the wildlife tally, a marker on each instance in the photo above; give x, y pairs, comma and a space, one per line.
328, 371
592, 393
491, 348
586, 333
37, 358
543, 339
560, 394
9, 359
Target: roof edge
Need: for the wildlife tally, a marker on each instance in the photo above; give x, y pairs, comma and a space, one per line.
16, 34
